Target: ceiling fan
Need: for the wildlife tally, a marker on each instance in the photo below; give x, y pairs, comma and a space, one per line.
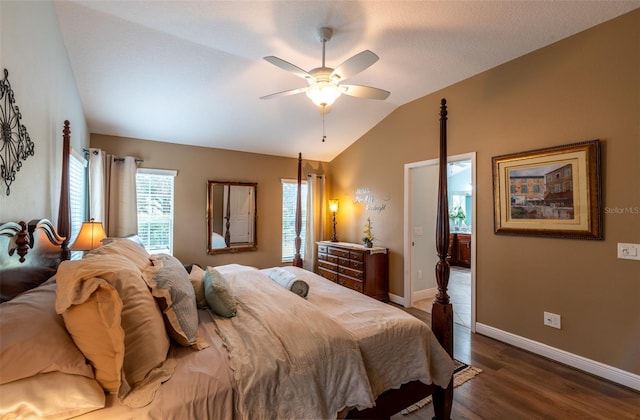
324, 82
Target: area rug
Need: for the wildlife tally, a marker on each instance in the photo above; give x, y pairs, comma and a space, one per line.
461, 374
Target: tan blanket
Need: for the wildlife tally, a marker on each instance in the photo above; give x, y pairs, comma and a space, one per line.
289, 359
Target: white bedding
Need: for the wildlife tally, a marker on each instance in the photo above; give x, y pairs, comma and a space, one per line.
396, 347
289, 360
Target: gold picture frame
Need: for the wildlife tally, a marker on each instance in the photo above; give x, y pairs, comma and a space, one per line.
553, 192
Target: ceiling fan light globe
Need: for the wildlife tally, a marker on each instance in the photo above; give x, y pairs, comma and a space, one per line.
323, 93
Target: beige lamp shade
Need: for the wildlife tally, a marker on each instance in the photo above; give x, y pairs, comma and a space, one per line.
91, 233
333, 205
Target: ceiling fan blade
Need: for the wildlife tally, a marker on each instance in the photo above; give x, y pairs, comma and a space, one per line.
366, 92
285, 93
355, 65
285, 65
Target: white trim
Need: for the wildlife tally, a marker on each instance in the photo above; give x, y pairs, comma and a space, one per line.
399, 300
424, 294
408, 217
79, 156
152, 171
593, 367
295, 181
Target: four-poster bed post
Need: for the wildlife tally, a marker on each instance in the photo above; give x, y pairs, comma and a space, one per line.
442, 311
64, 212
297, 259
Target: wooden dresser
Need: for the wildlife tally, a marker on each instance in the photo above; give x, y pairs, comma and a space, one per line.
459, 250
365, 270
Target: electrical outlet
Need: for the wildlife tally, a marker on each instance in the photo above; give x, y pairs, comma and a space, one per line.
629, 251
552, 320
419, 274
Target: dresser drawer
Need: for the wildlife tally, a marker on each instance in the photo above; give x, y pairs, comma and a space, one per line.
350, 272
356, 255
332, 258
350, 283
322, 256
323, 249
327, 265
339, 252
356, 265
328, 274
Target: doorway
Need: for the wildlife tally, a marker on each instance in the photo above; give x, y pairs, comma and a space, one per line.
420, 192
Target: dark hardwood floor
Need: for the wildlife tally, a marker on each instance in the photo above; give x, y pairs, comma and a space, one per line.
517, 384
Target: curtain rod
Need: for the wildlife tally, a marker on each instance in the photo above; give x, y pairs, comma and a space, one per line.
86, 152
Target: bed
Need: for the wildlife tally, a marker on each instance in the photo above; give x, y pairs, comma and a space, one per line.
119, 335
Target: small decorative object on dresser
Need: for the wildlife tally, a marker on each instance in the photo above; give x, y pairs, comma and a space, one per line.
367, 239
365, 270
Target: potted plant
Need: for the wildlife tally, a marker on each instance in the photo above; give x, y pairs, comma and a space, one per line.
367, 239
457, 215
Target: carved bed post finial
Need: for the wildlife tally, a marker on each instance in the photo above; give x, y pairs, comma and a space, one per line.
64, 212
22, 241
297, 259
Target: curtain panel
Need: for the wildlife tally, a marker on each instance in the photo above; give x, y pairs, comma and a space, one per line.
112, 192
316, 216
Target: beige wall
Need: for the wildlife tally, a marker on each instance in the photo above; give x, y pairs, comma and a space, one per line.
581, 88
197, 165
32, 50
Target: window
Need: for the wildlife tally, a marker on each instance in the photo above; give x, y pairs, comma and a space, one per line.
154, 188
77, 197
289, 199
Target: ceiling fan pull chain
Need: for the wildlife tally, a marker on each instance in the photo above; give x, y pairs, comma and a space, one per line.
323, 135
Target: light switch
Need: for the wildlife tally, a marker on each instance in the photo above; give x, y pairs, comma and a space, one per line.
418, 231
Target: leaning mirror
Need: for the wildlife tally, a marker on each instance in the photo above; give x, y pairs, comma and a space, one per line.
231, 216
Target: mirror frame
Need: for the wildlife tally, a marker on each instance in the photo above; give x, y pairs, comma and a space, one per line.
237, 248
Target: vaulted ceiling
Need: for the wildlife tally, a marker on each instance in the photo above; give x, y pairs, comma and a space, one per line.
192, 72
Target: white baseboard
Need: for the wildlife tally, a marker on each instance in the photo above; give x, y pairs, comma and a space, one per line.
396, 299
420, 294
424, 294
611, 373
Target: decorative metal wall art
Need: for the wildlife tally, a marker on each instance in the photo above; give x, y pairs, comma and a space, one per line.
16, 145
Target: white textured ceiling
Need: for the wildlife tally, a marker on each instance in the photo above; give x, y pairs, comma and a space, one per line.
192, 72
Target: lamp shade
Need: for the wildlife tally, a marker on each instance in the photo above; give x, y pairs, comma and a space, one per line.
333, 206
91, 233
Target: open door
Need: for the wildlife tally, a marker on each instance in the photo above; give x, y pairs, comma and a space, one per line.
420, 191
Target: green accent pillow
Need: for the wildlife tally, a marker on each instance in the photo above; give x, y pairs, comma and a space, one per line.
218, 294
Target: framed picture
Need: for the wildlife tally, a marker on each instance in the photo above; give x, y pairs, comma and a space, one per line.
554, 192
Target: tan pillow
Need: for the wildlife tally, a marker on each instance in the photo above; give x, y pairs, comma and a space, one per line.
126, 248
50, 395
96, 292
196, 277
33, 338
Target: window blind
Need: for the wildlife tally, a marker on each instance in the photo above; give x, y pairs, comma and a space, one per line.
77, 198
155, 204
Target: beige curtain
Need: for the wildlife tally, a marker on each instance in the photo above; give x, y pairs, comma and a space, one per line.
316, 216
112, 192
